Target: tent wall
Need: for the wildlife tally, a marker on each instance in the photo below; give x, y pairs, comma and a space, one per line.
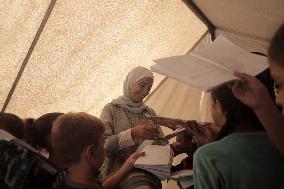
18, 25
247, 43
178, 100
250, 24
85, 51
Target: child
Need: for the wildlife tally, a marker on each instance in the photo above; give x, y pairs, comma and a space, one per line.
38, 133
252, 93
243, 157
78, 142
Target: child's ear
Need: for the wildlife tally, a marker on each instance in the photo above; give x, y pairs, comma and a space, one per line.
90, 152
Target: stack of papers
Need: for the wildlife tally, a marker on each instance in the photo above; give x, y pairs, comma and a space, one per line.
157, 160
185, 178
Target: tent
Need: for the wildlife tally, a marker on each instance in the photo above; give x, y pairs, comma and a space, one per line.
68, 55
250, 24
73, 56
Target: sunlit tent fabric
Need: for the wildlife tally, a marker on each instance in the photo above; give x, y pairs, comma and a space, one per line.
248, 23
86, 49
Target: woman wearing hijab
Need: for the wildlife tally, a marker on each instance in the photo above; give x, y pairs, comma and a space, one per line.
125, 120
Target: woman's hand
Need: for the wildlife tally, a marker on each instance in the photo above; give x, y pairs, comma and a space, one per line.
145, 130
249, 91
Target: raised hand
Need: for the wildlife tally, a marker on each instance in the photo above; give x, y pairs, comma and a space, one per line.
249, 90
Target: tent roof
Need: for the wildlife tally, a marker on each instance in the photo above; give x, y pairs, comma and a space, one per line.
85, 49
250, 23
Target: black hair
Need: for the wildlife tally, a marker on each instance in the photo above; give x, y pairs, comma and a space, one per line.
276, 48
12, 124
235, 111
37, 131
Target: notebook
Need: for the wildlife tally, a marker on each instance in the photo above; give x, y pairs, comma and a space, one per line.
211, 66
157, 160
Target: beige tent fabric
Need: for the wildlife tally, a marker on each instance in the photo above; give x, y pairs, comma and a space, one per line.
251, 23
178, 100
87, 48
19, 22
205, 106
247, 43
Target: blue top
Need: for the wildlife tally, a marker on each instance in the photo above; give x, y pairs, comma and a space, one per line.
239, 161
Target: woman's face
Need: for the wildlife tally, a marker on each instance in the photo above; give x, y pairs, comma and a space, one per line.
141, 89
277, 73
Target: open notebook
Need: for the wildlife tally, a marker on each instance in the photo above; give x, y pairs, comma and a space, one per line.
211, 66
157, 160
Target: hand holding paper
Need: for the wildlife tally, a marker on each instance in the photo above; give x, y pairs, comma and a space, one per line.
212, 66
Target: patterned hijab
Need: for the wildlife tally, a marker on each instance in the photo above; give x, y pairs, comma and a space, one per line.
133, 76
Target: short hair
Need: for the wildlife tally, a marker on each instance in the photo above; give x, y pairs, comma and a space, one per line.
12, 124
72, 133
276, 48
37, 131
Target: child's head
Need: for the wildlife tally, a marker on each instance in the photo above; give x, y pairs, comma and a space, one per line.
276, 61
78, 137
12, 124
38, 132
228, 111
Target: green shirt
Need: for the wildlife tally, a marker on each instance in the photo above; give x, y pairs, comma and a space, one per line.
239, 161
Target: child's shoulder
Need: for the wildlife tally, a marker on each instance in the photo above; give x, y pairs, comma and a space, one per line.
216, 149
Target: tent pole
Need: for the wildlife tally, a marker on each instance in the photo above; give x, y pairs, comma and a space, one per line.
196, 10
25, 61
